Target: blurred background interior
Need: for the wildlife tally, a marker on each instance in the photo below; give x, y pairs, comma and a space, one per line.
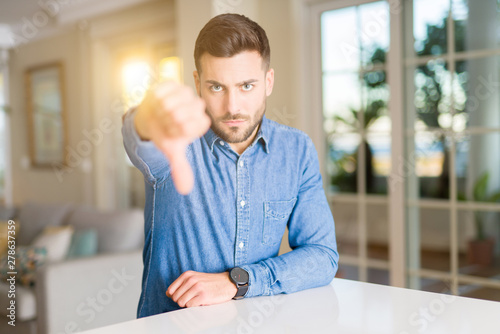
401, 98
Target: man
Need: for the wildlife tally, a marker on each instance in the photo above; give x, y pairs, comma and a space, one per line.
213, 231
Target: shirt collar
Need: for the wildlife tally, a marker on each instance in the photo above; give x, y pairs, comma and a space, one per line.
262, 136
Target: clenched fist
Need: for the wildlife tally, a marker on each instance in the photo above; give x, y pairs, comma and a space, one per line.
172, 116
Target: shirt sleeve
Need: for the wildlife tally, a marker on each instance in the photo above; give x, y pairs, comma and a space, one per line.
313, 261
143, 153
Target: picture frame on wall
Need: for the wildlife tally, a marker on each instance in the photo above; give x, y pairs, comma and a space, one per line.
47, 130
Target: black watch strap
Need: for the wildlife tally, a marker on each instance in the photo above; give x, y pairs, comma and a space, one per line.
242, 290
240, 278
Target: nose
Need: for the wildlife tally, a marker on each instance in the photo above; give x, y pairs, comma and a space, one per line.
232, 104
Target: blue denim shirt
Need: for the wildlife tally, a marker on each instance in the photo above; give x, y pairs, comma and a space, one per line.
236, 214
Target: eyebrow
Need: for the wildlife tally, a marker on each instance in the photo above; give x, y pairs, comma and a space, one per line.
246, 82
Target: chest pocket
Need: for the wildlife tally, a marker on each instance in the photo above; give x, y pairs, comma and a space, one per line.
276, 214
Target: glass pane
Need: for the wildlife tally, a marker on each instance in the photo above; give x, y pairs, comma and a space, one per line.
477, 291
411, 100
346, 227
428, 240
478, 237
378, 276
378, 232
348, 272
374, 28
355, 98
435, 239
477, 93
342, 164
339, 40
429, 166
476, 24
433, 95
375, 98
378, 157
429, 26
341, 102
478, 167
355, 36
435, 285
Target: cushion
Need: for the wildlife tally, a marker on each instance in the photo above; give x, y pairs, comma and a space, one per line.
26, 260
56, 240
117, 231
34, 217
83, 243
7, 213
25, 303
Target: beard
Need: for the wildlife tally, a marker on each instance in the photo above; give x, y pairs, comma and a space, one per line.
237, 134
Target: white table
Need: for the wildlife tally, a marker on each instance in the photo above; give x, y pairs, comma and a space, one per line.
344, 306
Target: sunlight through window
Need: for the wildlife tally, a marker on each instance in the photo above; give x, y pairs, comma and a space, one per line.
136, 79
170, 69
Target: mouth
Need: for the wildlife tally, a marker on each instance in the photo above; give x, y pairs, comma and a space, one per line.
236, 122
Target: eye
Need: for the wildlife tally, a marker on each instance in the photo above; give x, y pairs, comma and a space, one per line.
216, 88
247, 87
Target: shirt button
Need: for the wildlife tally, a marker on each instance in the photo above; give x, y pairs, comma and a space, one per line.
241, 163
221, 142
242, 203
241, 245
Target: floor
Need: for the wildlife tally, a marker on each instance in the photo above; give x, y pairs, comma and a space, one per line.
434, 260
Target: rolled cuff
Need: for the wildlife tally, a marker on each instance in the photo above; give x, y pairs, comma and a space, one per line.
259, 280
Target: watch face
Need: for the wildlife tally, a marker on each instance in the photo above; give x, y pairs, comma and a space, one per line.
239, 275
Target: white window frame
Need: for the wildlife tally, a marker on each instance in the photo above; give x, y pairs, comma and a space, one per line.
453, 205
4, 69
395, 198
309, 59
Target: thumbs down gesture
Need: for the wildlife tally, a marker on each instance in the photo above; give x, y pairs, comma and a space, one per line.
172, 116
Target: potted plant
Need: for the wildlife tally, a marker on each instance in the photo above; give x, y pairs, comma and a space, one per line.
480, 249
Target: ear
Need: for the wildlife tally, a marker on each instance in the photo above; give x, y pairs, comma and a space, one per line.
197, 82
269, 81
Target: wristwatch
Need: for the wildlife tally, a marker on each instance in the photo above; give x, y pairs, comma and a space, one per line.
240, 278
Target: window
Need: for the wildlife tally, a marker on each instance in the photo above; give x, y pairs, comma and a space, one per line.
354, 45
137, 75
355, 42
452, 65
448, 130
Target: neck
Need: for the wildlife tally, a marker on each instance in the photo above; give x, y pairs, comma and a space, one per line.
241, 147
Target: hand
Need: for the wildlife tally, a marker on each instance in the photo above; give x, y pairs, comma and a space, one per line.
195, 289
172, 116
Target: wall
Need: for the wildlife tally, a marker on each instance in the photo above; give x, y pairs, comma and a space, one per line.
280, 105
196, 13
138, 33
42, 184
90, 50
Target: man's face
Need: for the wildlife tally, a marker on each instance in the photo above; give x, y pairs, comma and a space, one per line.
235, 91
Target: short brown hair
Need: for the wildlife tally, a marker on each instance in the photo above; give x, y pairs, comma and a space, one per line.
227, 35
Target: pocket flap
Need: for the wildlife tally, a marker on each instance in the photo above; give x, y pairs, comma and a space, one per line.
279, 209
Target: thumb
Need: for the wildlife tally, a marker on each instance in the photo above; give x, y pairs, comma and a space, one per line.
182, 174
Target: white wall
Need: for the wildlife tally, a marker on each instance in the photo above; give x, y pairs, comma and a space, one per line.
42, 184
89, 50
274, 17
195, 13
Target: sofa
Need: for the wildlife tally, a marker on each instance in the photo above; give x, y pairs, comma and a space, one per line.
66, 292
